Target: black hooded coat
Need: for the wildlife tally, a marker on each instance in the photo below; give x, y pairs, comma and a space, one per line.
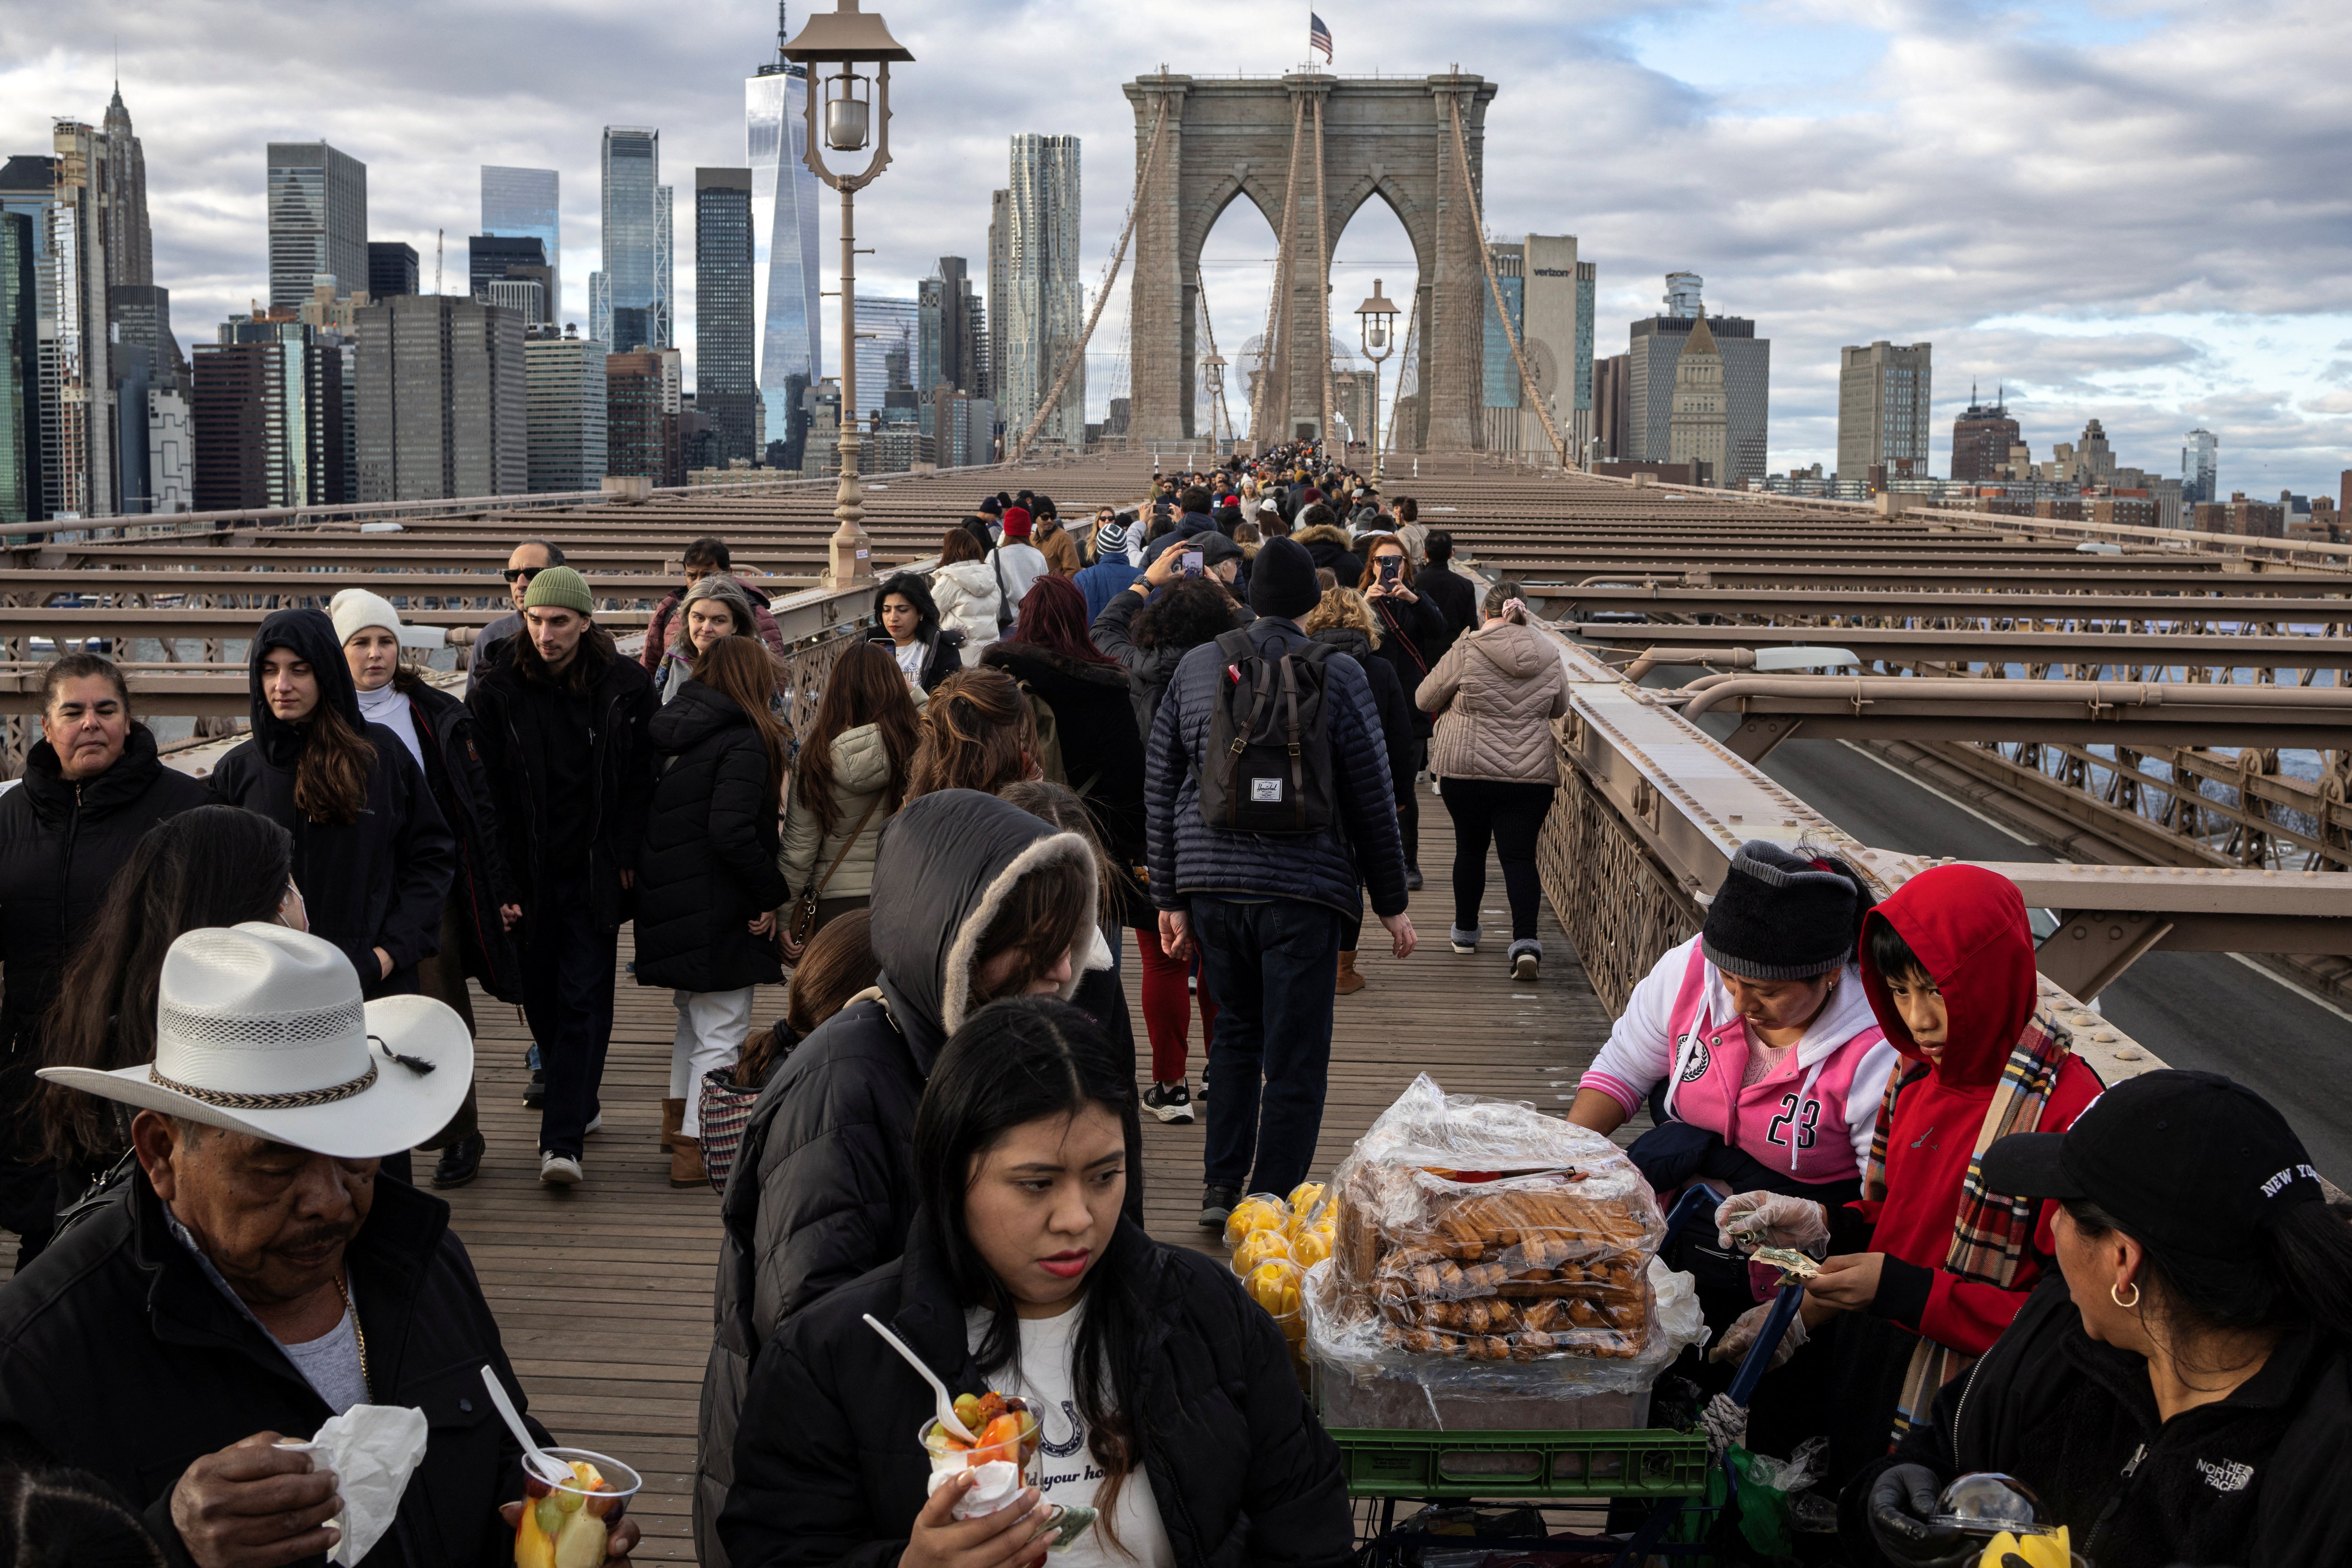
824, 1184
710, 863
378, 881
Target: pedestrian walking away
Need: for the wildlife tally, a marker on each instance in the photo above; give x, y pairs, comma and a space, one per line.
852, 776
438, 732
564, 735
1342, 619
1263, 908
1015, 563
1455, 595
973, 899
1166, 1394
93, 785
1493, 698
964, 590
707, 887
252, 1278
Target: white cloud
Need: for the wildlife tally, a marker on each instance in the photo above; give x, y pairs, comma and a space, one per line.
2125, 213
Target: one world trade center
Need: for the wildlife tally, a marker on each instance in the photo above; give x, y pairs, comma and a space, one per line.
785, 277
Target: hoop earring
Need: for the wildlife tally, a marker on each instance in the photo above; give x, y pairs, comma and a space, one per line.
2117, 1297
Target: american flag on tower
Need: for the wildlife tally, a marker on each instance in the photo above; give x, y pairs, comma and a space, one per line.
1318, 36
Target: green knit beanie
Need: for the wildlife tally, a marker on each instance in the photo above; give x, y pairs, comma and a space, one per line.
559, 588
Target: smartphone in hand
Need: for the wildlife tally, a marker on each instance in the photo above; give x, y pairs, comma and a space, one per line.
1191, 563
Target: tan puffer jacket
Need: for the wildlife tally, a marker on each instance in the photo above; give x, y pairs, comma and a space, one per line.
861, 776
1495, 694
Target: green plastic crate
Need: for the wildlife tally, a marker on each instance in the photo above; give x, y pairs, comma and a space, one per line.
1468, 1466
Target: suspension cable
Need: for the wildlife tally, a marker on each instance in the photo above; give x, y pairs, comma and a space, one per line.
1487, 257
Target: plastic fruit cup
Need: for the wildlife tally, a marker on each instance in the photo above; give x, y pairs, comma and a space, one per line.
536, 1548
1032, 1435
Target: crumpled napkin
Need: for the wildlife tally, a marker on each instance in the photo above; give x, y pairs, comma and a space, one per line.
995, 1486
372, 1449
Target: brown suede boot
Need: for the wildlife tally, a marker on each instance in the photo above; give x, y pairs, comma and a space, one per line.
686, 1163
1349, 982
673, 1118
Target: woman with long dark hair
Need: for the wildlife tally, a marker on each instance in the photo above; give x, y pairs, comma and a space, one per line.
852, 776
907, 623
2183, 1392
707, 887
1166, 1396
372, 853
213, 866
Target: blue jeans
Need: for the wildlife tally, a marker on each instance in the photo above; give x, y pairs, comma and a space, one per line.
1270, 965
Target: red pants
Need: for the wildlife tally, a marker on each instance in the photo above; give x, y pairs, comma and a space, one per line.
1168, 1007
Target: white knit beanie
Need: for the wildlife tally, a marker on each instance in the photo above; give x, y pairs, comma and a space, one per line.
356, 608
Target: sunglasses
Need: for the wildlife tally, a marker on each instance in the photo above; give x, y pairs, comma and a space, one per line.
522, 573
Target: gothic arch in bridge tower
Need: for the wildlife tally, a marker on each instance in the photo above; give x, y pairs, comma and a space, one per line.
1224, 139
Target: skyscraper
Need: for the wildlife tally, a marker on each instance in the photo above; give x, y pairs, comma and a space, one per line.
725, 386
2200, 467
497, 266
1548, 292
20, 372
1697, 430
953, 347
1981, 438
268, 413
318, 219
392, 268
520, 204
566, 380
1044, 304
1882, 410
884, 326
633, 238
664, 316
1000, 289
444, 406
145, 358
784, 271
1657, 342
123, 201
61, 195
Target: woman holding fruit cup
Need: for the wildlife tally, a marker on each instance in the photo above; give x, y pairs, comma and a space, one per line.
1170, 1425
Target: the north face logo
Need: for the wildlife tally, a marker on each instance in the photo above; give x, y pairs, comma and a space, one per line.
2227, 1476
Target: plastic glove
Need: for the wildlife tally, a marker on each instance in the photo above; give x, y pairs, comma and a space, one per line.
1771, 1219
1902, 1501
1739, 1338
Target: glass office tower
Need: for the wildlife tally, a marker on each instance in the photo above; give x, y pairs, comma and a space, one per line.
784, 255
632, 294
520, 204
317, 220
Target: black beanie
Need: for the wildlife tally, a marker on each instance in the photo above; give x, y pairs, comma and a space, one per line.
1282, 579
1779, 916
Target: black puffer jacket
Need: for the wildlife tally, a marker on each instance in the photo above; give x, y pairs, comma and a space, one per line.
379, 881
1102, 753
2257, 1479
1455, 596
1414, 637
710, 863
823, 1188
60, 845
453, 768
1388, 704
828, 1470
522, 716
119, 1356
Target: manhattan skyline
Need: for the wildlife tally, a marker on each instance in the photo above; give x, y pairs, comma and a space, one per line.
2052, 199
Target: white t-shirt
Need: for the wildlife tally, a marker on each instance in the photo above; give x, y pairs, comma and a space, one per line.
1067, 1471
910, 661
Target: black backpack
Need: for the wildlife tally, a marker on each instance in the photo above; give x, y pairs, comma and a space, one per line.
1268, 763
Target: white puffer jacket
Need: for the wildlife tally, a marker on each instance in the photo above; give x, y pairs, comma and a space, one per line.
966, 594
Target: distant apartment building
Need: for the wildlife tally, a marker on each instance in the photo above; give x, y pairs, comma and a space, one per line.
1657, 342
2249, 519
1884, 398
1981, 438
444, 403
962, 427
317, 218
641, 435
567, 391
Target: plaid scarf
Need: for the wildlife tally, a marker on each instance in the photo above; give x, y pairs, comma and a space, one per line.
1992, 1229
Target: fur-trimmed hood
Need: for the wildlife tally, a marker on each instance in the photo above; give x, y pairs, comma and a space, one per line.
945, 864
1323, 534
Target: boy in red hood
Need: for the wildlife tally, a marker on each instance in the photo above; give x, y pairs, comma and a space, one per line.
1927, 1267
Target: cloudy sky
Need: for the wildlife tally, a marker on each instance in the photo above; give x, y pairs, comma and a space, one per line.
2138, 214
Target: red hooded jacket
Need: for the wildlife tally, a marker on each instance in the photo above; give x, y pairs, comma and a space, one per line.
1968, 925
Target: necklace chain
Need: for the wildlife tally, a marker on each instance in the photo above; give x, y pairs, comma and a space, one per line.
359, 1334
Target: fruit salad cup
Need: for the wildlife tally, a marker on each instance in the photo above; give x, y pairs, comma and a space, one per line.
1008, 1433
565, 1526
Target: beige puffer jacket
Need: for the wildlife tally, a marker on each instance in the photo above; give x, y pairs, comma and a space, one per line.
861, 777
1495, 694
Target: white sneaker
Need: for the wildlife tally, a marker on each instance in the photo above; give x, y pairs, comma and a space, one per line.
595, 1124
557, 1170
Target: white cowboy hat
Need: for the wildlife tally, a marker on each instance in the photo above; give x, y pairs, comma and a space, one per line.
261, 1029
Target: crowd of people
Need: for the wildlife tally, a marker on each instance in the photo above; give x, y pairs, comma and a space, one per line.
234, 1006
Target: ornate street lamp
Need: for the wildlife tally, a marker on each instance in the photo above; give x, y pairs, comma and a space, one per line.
857, 111
1213, 378
1377, 320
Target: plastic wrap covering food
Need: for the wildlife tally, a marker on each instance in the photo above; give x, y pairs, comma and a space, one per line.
1476, 1241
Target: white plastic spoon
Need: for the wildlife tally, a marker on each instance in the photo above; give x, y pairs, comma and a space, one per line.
536, 1459
947, 1415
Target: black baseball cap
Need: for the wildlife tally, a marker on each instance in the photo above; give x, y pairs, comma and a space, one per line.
2189, 1160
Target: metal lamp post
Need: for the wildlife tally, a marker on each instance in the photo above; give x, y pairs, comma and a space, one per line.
857, 111
1212, 374
1376, 318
